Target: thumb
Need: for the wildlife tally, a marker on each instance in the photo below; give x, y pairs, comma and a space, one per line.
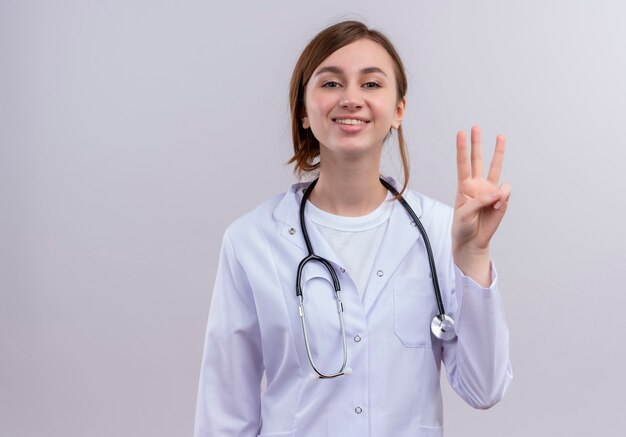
470, 208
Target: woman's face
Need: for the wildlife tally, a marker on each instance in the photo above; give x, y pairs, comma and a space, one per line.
351, 100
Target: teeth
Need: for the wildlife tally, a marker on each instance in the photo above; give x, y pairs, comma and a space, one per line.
349, 121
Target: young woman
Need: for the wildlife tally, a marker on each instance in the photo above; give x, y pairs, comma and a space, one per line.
347, 294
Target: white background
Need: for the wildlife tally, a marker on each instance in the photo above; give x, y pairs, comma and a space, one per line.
133, 132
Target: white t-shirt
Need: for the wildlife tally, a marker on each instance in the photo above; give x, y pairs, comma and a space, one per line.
355, 240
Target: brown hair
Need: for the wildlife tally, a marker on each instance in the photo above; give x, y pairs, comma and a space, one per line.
305, 146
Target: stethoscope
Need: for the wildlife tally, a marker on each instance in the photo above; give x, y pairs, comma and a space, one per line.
442, 325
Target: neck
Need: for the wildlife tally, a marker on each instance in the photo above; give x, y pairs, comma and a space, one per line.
351, 189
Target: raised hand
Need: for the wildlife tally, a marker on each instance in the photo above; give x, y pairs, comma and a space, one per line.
479, 206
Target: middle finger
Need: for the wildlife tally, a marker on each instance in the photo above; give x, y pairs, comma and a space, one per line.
477, 153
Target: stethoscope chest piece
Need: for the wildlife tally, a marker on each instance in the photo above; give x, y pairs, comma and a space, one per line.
443, 327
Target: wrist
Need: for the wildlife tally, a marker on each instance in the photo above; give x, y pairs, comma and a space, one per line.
467, 254
475, 264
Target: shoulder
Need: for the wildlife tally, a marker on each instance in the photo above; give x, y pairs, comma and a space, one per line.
267, 217
436, 218
424, 205
434, 215
431, 206
252, 221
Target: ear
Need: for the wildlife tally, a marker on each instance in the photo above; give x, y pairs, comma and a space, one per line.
305, 122
399, 114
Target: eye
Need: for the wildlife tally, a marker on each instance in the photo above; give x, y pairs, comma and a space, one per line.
330, 84
372, 85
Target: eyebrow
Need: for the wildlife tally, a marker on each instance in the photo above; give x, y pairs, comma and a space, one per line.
337, 70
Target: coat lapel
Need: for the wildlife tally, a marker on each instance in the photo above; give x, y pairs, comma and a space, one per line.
287, 214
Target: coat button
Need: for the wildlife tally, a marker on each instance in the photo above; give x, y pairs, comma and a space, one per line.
342, 269
292, 231
379, 273
358, 410
413, 223
357, 338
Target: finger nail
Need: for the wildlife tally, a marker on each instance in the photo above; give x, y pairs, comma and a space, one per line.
495, 194
497, 204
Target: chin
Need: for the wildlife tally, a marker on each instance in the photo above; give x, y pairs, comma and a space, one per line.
356, 151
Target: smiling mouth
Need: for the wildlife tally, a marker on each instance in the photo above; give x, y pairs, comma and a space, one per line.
351, 121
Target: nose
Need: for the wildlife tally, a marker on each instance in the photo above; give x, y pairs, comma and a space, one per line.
351, 99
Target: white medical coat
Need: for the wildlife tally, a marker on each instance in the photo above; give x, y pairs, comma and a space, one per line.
254, 327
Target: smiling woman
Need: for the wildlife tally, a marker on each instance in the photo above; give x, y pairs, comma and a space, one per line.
352, 118
381, 281
313, 63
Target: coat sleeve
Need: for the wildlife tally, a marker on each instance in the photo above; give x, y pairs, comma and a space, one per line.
477, 362
229, 391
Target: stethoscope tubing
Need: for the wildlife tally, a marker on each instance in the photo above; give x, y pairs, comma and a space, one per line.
442, 325
429, 250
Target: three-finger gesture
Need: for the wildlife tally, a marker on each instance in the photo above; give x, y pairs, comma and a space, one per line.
480, 203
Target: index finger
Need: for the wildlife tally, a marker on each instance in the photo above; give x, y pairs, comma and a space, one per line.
496, 162
462, 163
